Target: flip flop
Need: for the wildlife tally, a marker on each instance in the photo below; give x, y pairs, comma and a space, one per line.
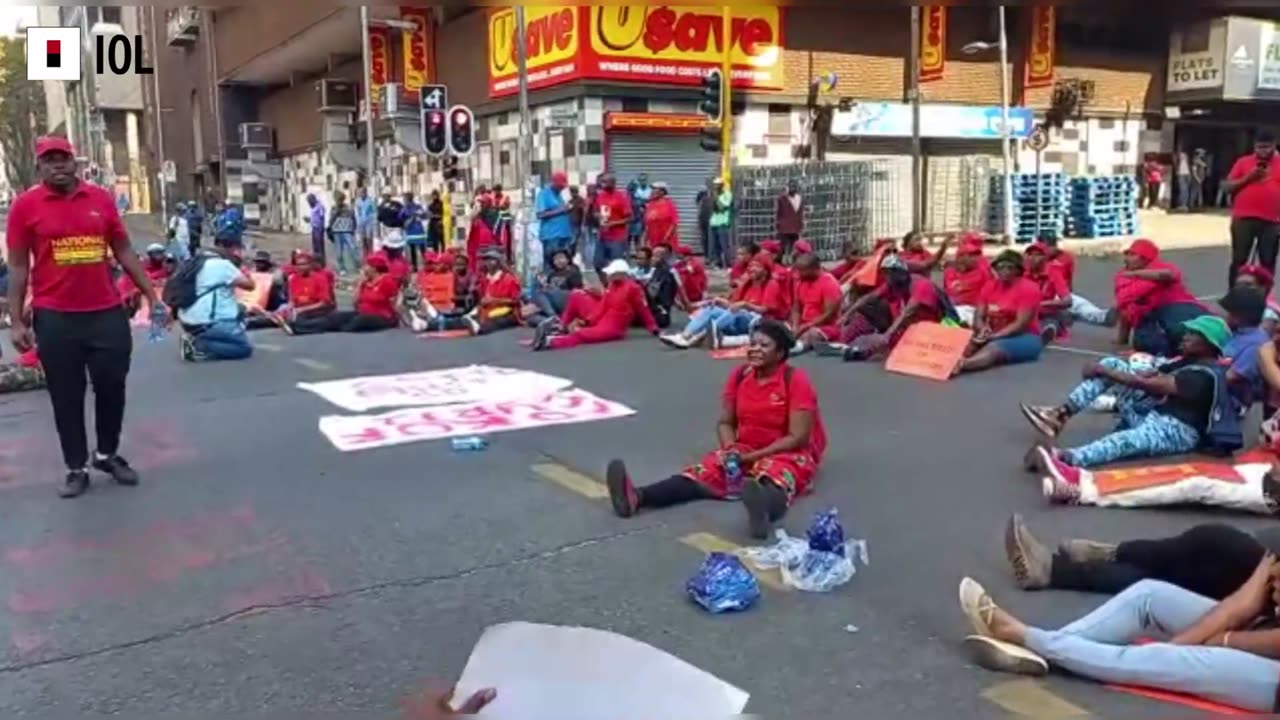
1005, 657
977, 606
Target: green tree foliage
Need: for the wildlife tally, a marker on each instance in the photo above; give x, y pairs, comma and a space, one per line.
22, 114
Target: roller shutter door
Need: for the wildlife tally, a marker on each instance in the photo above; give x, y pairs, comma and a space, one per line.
677, 160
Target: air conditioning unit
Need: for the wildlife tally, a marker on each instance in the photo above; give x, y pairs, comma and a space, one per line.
256, 135
338, 95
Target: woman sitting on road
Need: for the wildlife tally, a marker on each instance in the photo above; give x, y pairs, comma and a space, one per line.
1210, 649
1005, 323
917, 257
1152, 303
548, 300
588, 320
374, 305
1055, 292
759, 296
770, 435
1261, 279
966, 277
875, 322
497, 306
310, 290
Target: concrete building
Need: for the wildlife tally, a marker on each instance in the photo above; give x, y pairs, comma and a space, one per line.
617, 88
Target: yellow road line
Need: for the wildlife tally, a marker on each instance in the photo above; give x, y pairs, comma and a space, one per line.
571, 479
313, 364
1031, 698
709, 543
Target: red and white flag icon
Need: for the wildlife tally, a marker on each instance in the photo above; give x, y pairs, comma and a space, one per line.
53, 53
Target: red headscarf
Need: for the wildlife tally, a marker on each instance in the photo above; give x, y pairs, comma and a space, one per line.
1265, 276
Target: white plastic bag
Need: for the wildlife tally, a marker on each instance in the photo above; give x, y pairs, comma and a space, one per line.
805, 569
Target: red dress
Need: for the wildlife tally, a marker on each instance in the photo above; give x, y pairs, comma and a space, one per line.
762, 407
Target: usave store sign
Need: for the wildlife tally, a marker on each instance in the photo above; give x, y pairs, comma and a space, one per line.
656, 44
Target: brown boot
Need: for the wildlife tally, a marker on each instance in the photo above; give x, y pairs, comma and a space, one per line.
1088, 551
1030, 560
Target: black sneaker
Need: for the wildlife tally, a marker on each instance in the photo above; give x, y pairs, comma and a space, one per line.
766, 503
76, 484
622, 493
542, 333
119, 470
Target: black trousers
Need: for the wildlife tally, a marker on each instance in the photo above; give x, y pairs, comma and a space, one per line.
348, 321
1212, 560
492, 325
1248, 233
76, 348
675, 490
416, 255
788, 241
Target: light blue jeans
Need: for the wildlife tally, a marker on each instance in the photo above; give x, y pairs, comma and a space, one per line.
727, 322
1097, 646
1085, 311
222, 340
346, 246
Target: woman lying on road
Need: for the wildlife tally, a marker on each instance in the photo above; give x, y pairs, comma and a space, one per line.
1167, 415
771, 441
1005, 323
1211, 651
1211, 559
875, 322
759, 296
1151, 301
373, 307
589, 320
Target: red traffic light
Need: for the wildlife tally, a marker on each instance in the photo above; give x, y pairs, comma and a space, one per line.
461, 118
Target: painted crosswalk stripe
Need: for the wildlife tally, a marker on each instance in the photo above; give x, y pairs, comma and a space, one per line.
313, 364
709, 543
571, 479
1030, 698
267, 346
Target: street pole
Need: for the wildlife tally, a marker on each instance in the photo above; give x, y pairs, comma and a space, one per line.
162, 181
913, 95
726, 99
371, 175
524, 265
1005, 152
89, 92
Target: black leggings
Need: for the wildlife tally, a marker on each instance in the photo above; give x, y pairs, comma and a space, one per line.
348, 321
675, 490
460, 322
1212, 560
75, 345
1246, 233
415, 255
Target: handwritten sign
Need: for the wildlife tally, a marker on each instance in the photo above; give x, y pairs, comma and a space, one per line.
257, 297
929, 350
362, 432
474, 383
1123, 480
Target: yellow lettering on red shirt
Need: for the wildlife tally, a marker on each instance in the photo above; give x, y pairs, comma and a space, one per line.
79, 250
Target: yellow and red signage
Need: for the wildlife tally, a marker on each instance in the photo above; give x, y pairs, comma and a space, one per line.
670, 45
417, 48
1043, 47
933, 42
379, 62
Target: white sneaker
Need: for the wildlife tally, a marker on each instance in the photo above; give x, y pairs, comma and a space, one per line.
1104, 404
675, 340
417, 324
715, 336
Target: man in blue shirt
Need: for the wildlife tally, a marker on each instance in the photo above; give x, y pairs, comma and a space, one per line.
1244, 306
212, 326
556, 230
366, 219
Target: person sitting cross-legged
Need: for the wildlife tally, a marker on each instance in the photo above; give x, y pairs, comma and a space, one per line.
724, 321
497, 300
548, 299
816, 310
1006, 319
310, 290
877, 320
770, 441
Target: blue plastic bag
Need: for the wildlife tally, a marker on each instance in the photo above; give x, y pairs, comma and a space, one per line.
723, 584
826, 534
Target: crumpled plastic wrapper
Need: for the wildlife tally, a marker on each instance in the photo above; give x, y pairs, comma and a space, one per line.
723, 584
822, 563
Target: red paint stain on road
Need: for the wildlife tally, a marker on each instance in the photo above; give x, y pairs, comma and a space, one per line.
25, 642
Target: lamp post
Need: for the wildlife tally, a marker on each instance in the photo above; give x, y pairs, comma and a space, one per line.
1002, 44
524, 263
371, 174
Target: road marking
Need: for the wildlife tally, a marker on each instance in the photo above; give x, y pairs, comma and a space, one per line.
313, 364
267, 346
584, 485
708, 543
1030, 698
1077, 351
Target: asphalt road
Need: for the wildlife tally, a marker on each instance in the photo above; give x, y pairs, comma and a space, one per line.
258, 570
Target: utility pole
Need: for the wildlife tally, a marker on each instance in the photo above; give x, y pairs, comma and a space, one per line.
1005, 150
726, 100
524, 264
161, 180
913, 95
371, 174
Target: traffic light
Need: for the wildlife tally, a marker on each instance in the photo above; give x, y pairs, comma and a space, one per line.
712, 104
435, 133
709, 138
449, 167
462, 138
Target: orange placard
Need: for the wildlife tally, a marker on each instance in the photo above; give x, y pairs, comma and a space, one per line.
256, 298
929, 350
1041, 51
933, 42
868, 276
437, 289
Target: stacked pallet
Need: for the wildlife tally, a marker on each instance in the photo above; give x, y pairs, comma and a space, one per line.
1039, 206
1103, 207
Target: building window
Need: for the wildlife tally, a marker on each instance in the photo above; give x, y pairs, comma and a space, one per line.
780, 120
484, 163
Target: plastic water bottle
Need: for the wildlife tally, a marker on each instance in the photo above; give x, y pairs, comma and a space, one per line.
733, 475
473, 443
156, 331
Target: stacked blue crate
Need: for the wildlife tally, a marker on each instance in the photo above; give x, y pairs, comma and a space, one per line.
1039, 206
1103, 207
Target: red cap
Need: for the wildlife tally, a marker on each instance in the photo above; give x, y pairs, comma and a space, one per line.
773, 247
1038, 246
559, 178
378, 262
1264, 276
53, 143
1144, 249
970, 246
803, 247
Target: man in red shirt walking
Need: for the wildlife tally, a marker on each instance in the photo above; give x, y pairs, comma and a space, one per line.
1254, 182
59, 235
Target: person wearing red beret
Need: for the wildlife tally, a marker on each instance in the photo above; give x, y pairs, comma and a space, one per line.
1152, 302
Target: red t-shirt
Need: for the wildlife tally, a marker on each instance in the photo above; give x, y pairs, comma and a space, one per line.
68, 238
1052, 286
693, 278
921, 291
613, 205
763, 407
1002, 303
310, 289
1065, 263
767, 294
378, 296
814, 295
397, 268
1259, 199
504, 286
914, 258
965, 287
659, 219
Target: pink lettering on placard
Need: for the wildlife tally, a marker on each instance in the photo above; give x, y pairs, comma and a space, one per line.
419, 423
480, 419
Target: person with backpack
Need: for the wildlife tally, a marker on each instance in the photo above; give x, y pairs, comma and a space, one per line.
60, 235
1165, 408
228, 225
342, 232
203, 294
770, 442
877, 320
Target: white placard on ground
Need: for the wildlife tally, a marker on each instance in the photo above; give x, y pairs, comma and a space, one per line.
474, 383
546, 672
361, 432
